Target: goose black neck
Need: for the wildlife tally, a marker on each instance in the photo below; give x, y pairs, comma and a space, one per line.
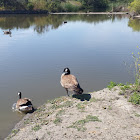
20, 95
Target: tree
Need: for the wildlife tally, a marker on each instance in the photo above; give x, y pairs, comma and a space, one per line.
95, 5
135, 6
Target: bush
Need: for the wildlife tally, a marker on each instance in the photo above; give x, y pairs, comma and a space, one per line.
135, 98
70, 8
95, 5
135, 6
30, 6
111, 85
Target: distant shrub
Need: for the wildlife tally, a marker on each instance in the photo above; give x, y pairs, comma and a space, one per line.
30, 6
38, 4
70, 8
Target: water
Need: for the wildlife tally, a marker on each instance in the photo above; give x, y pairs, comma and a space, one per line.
96, 48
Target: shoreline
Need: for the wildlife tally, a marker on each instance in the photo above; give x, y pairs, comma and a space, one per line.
89, 13
7, 12
64, 13
98, 115
24, 12
57, 13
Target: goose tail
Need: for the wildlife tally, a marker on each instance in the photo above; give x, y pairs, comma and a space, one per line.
78, 90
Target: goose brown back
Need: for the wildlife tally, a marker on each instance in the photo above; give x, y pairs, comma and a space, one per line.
70, 82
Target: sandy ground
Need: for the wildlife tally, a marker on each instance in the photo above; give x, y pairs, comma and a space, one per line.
101, 115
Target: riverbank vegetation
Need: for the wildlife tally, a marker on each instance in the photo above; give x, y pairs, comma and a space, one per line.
69, 5
130, 91
135, 6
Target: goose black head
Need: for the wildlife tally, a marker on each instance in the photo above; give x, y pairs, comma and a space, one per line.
66, 71
19, 94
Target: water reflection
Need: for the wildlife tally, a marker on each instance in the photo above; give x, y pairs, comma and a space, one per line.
44, 23
134, 24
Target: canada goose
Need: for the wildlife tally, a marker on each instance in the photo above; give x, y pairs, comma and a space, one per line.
7, 32
70, 83
24, 104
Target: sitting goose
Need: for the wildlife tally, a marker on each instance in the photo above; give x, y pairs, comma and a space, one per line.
7, 32
24, 104
70, 83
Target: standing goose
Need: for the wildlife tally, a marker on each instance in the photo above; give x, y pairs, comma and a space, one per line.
7, 32
70, 83
24, 104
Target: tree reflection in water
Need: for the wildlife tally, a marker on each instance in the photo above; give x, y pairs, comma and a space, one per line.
134, 24
44, 23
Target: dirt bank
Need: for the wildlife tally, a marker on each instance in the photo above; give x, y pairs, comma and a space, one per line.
101, 115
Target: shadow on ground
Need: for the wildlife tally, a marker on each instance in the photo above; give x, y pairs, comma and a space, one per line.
82, 97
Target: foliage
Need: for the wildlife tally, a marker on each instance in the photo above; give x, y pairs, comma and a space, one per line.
125, 87
111, 85
137, 115
59, 5
30, 6
57, 120
134, 24
95, 5
135, 6
68, 7
14, 131
135, 98
38, 4
12, 5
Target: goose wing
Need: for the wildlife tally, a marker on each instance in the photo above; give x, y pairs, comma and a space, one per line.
23, 102
69, 82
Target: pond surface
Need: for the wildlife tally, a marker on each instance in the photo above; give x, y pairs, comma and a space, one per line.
97, 49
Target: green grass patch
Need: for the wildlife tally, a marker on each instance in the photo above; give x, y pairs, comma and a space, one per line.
135, 98
110, 108
40, 109
15, 131
36, 128
80, 106
27, 121
80, 125
65, 104
111, 85
125, 87
121, 93
57, 121
137, 115
60, 112
93, 99
56, 100
44, 122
